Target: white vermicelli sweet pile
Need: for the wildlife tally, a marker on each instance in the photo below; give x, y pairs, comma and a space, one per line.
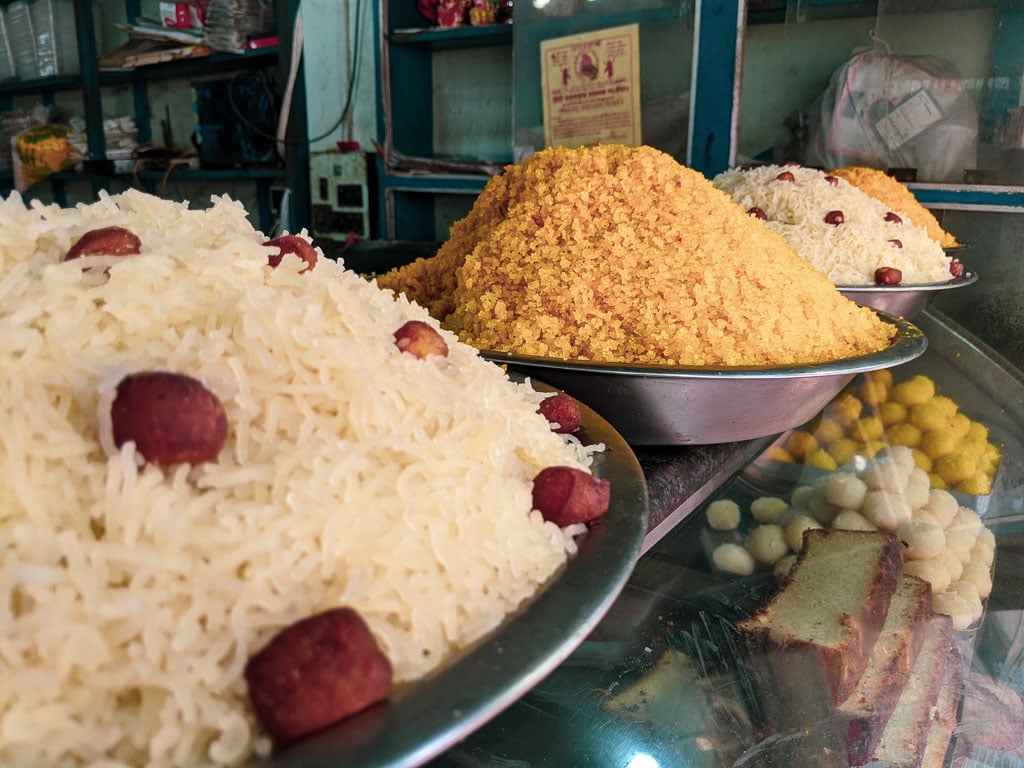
850, 252
131, 597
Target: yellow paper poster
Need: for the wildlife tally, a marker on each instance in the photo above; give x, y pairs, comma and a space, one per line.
591, 87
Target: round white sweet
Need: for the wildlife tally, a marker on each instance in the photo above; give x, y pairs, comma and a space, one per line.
886, 509
789, 516
885, 474
954, 566
845, 490
821, 508
767, 544
733, 558
723, 514
943, 505
960, 543
983, 552
980, 576
902, 455
798, 498
851, 520
954, 605
986, 538
921, 539
918, 489
794, 532
766, 508
967, 520
928, 517
931, 571
967, 589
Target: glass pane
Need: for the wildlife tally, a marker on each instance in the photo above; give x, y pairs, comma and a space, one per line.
667, 680
930, 91
665, 35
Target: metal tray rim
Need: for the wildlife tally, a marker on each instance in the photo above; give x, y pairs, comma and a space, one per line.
910, 342
969, 277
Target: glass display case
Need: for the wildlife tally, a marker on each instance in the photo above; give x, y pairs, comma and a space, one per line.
929, 90
666, 679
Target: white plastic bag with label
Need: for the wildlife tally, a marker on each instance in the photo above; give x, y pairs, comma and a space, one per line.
887, 111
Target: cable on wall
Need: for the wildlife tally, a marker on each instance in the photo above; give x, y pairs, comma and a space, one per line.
355, 51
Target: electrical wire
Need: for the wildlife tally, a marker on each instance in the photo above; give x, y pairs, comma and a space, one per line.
168, 165
289, 95
280, 137
289, 90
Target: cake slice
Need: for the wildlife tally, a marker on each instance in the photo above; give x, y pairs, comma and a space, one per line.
869, 706
903, 741
944, 719
819, 627
993, 714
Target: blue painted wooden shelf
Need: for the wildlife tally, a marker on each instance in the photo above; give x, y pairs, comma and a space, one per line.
203, 65
91, 81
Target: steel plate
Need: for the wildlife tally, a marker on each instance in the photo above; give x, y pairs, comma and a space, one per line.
669, 405
903, 300
424, 718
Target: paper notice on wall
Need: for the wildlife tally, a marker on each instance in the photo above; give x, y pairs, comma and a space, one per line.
591, 87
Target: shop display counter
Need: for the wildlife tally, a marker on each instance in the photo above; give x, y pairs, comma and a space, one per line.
664, 679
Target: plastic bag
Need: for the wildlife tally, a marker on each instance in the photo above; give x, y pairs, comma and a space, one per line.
41, 152
887, 111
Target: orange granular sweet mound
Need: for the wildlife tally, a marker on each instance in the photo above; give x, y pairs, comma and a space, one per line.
898, 197
620, 254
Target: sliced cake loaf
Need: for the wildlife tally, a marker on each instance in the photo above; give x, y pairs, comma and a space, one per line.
869, 706
819, 627
903, 741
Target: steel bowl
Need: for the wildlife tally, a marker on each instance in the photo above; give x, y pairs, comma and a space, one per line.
903, 300
674, 405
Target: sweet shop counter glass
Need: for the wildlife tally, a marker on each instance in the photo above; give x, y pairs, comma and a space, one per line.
930, 633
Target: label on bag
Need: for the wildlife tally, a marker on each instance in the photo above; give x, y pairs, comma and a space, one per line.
909, 119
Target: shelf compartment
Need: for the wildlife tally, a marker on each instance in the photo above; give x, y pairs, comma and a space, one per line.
411, 203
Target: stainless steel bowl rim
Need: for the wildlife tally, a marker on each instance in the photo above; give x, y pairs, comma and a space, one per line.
969, 277
910, 342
